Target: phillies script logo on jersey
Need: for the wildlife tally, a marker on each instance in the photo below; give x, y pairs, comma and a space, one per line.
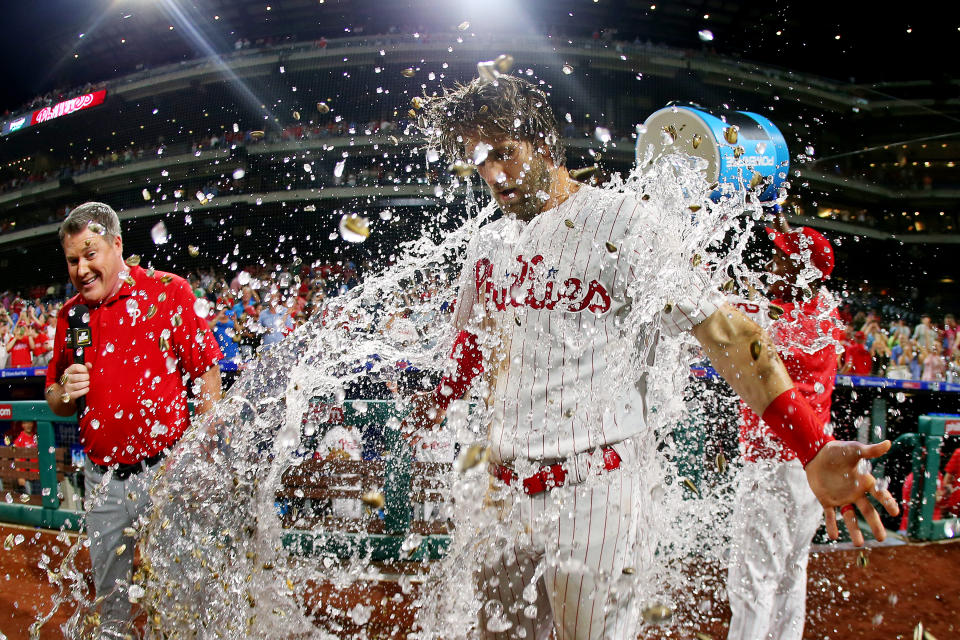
519, 291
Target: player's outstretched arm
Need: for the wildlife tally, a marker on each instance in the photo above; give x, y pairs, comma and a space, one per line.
743, 354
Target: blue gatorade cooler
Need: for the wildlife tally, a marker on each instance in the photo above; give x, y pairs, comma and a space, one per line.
741, 148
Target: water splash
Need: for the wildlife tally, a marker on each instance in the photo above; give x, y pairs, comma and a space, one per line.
215, 560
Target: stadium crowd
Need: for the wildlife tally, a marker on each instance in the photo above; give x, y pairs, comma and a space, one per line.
253, 307
260, 304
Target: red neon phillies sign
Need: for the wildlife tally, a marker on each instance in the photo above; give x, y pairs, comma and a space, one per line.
69, 106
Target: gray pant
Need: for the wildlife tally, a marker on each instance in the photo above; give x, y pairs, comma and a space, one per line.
111, 509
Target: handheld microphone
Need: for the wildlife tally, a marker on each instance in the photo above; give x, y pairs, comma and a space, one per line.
78, 338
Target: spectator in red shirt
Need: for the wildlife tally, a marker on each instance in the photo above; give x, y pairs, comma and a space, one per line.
42, 347
905, 497
950, 492
27, 439
139, 321
20, 346
949, 334
857, 361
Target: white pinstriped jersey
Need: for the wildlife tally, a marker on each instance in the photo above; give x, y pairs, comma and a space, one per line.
548, 299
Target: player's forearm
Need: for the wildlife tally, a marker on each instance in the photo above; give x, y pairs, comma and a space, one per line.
742, 353
745, 357
210, 391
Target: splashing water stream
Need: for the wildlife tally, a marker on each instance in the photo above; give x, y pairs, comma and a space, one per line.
214, 561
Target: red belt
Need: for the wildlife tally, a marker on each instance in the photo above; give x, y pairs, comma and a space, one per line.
552, 475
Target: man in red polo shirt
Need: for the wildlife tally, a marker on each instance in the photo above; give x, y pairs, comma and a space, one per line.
776, 515
147, 342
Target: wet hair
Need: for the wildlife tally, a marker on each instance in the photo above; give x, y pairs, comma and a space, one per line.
507, 107
91, 213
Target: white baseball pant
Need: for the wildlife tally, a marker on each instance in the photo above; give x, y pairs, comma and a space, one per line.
774, 520
558, 561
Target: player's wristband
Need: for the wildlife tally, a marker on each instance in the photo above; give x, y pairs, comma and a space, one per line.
792, 420
466, 353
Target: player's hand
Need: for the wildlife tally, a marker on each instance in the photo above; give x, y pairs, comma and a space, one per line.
76, 380
424, 414
838, 479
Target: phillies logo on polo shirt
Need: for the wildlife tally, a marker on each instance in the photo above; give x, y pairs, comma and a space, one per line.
573, 295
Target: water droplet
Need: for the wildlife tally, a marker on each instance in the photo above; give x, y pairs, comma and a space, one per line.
238, 174
360, 614
135, 592
201, 307
463, 26
668, 135
480, 153
146, 195
322, 107
338, 168
901, 396
94, 424
159, 233
567, 69
705, 35
809, 150
354, 228
487, 71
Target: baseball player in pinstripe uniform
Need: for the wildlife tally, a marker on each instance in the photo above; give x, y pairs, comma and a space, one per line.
541, 299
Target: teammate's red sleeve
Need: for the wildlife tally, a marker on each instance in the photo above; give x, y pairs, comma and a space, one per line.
793, 420
466, 353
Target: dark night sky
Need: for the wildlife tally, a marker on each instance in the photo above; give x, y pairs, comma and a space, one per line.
878, 41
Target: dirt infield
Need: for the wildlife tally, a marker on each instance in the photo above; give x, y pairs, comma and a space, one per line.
899, 587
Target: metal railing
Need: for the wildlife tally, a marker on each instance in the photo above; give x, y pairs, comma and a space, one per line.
49, 514
924, 449
397, 511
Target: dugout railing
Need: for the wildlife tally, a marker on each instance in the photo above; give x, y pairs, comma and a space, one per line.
924, 450
382, 532
385, 532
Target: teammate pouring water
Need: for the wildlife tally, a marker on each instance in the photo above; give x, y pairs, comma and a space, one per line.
542, 297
